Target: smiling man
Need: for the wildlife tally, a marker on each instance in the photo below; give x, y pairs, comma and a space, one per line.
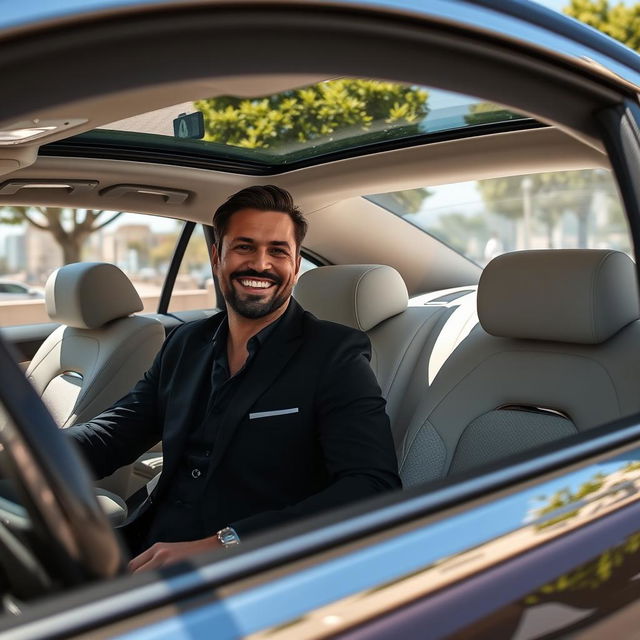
266, 413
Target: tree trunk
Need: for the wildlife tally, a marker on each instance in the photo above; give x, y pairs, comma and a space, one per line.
71, 248
550, 228
583, 227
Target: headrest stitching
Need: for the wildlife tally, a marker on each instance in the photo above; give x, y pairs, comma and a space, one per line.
355, 297
596, 275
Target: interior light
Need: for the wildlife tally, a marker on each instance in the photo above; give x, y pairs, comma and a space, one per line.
20, 135
27, 130
44, 185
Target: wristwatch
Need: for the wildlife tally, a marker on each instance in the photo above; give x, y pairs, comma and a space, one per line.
228, 537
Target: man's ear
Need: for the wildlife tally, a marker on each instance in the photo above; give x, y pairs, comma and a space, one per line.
215, 257
298, 263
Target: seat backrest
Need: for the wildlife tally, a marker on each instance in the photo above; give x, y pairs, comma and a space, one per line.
554, 353
99, 352
373, 299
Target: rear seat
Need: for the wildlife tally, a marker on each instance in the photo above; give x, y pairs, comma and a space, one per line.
555, 353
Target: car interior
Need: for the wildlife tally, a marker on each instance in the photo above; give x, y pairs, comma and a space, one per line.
477, 362
464, 380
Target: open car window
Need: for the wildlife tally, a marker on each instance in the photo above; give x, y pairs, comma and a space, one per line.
36, 240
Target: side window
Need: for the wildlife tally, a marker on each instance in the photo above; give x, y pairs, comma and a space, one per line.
193, 288
484, 218
32, 247
306, 265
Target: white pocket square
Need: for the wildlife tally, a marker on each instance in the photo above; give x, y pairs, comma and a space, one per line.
268, 414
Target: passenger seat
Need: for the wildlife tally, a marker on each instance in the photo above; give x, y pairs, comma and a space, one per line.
374, 299
556, 353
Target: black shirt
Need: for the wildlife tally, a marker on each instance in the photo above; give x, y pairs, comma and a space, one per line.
178, 515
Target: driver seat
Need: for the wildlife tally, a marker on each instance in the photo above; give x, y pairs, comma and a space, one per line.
99, 352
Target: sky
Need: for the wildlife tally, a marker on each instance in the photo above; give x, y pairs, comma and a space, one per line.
559, 4
554, 4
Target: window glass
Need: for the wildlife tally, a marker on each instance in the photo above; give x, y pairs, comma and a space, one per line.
193, 288
306, 265
34, 241
482, 219
339, 115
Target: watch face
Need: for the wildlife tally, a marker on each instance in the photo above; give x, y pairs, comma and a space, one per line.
228, 536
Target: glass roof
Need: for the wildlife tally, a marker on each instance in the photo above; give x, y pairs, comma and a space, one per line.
334, 116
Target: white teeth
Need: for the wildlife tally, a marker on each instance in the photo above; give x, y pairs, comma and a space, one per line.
257, 284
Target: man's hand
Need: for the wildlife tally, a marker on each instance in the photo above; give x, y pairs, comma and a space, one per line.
162, 554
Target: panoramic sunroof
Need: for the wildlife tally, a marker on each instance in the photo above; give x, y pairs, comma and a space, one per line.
297, 125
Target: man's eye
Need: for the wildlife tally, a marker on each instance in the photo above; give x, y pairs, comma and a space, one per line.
279, 251
243, 247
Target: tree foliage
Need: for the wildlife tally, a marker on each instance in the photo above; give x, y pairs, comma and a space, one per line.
552, 194
617, 20
402, 202
315, 113
323, 113
488, 112
69, 227
462, 231
621, 559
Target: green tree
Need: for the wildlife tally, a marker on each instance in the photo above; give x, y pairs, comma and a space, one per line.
69, 227
488, 112
324, 113
318, 113
565, 497
402, 202
552, 194
618, 20
163, 251
467, 234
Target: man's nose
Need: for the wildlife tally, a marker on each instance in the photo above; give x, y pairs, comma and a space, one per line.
260, 260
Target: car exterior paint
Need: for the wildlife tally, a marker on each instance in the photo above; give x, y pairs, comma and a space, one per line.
520, 22
340, 593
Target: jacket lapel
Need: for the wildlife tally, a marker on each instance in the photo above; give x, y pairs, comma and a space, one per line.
202, 361
267, 366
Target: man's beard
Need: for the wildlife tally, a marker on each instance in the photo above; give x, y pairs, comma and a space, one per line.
255, 306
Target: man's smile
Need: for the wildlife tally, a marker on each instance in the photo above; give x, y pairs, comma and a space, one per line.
255, 284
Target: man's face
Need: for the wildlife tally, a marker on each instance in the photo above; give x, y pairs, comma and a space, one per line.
258, 262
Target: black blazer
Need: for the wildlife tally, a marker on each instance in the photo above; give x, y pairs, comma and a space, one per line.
267, 469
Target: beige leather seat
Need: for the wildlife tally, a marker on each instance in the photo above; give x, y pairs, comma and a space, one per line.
556, 353
99, 352
373, 298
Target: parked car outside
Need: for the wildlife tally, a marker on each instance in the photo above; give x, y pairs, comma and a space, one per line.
18, 291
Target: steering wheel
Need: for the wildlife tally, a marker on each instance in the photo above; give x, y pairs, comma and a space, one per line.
73, 540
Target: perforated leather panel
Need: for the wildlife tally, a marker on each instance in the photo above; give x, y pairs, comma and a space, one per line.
428, 458
501, 433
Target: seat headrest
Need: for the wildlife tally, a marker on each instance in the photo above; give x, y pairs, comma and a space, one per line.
357, 295
580, 296
87, 295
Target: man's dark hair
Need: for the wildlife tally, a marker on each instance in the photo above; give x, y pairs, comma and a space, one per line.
267, 197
